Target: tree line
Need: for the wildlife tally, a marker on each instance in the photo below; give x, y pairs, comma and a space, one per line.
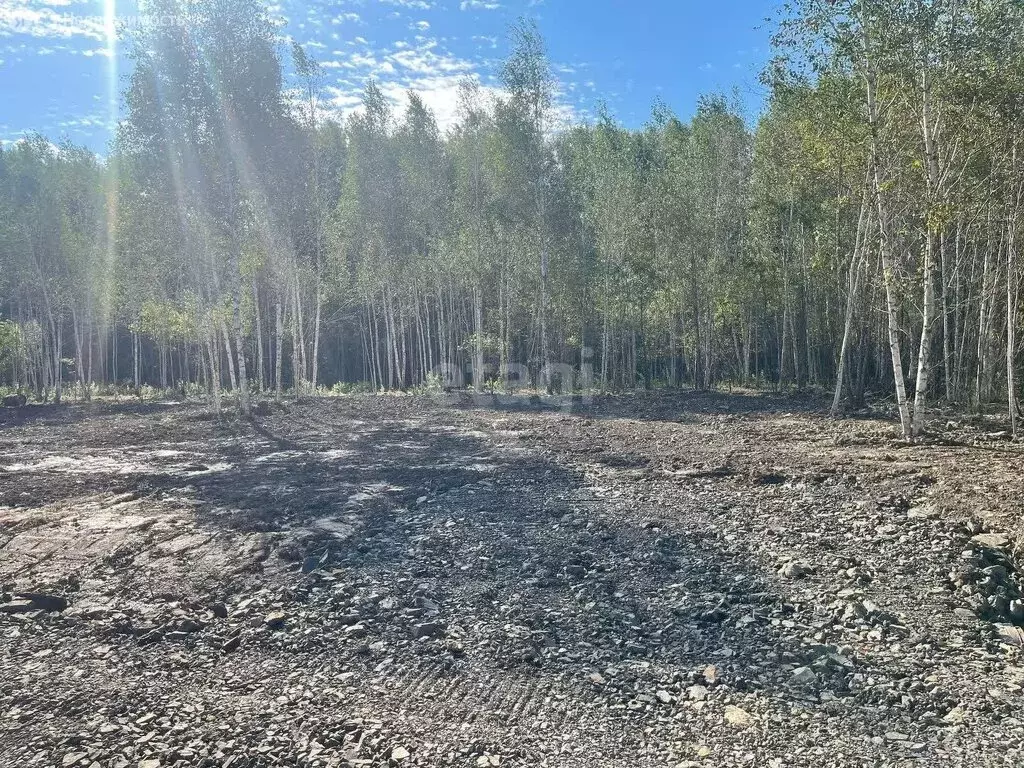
861, 237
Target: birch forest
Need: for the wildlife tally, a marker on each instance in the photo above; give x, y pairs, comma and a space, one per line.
859, 237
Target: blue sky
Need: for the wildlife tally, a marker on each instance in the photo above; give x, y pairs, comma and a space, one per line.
61, 69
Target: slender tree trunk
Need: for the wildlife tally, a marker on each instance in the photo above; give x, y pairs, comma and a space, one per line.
315, 378
947, 342
853, 282
1011, 326
673, 372
1012, 286
136, 364
227, 348
257, 322
927, 328
58, 356
605, 331
984, 311
478, 346
929, 131
426, 323
885, 240
79, 356
278, 351
298, 342
211, 350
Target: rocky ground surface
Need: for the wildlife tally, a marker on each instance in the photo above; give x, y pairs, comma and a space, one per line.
686, 580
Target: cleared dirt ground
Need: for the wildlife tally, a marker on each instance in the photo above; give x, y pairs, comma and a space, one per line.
695, 580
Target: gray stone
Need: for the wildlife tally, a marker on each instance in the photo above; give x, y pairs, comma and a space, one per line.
1010, 634
737, 717
999, 605
992, 540
314, 562
795, 569
804, 676
428, 629
16, 606
997, 573
1017, 610
355, 631
399, 753
154, 636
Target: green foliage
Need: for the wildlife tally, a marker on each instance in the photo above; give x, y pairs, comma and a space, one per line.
12, 343
697, 250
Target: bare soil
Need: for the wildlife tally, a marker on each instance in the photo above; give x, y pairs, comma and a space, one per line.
659, 580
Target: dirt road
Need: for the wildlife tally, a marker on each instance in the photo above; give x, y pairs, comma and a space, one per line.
691, 580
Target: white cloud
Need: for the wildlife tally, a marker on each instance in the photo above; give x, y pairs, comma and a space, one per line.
361, 60
341, 100
421, 25
421, 5
350, 17
479, 5
425, 61
24, 135
425, 68
22, 17
439, 94
86, 121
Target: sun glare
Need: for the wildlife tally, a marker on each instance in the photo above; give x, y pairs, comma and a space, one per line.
110, 33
